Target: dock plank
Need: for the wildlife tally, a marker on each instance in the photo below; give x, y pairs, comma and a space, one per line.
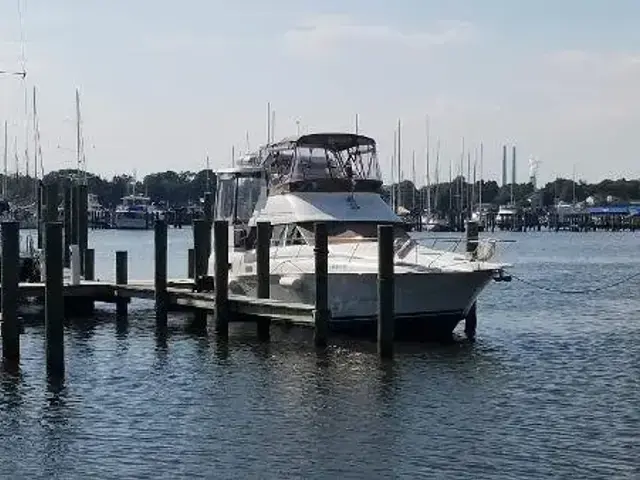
181, 294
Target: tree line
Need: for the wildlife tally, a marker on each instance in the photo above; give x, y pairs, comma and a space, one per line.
454, 196
187, 187
173, 188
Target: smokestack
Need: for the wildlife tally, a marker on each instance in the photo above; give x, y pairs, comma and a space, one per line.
504, 165
513, 166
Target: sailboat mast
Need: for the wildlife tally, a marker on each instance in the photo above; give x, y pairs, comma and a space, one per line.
435, 197
268, 122
461, 182
394, 188
35, 138
4, 178
26, 127
428, 170
470, 188
78, 145
399, 159
413, 175
480, 187
16, 157
573, 181
475, 166
450, 187
273, 126
208, 179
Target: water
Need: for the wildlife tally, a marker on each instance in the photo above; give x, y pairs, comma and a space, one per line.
551, 389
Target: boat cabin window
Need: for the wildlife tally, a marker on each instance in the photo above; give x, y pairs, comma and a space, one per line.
225, 200
237, 196
317, 164
248, 192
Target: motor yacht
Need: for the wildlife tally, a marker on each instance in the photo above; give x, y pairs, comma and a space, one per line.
136, 212
334, 178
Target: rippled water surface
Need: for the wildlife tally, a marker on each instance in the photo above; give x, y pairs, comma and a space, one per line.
551, 388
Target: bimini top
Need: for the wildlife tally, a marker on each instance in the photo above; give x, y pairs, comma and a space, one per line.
329, 162
332, 141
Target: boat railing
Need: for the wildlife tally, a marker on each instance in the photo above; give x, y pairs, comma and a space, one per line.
405, 251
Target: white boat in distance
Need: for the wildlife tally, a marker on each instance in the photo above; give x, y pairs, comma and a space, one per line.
334, 178
136, 212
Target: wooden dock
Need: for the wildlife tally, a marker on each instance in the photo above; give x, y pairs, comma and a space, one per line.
181, 295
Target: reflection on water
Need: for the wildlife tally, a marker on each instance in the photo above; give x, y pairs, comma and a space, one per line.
549, 390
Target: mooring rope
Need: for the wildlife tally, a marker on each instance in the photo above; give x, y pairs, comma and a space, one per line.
576, 292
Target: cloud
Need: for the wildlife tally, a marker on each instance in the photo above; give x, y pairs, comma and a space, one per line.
328, 34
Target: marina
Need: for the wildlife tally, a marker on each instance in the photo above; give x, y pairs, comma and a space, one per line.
427, 266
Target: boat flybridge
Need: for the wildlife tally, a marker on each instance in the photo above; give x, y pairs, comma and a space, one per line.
334, 178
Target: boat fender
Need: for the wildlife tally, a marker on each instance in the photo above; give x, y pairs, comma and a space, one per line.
291, 281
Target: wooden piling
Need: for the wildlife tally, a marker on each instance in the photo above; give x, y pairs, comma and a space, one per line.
75, 196
472, 238
67, 194
200, 247
10, 278
221, 245
191, 258
321, 312
54, 299
201, 235
122, 278
51, 204
208, 207
83, 222
262, 272
160, 277
386, 291
39, 197
471, 322
89, 264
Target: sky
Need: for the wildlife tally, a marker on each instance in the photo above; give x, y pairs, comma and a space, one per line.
164, 83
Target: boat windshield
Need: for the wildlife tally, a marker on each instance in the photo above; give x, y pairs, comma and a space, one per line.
347, 232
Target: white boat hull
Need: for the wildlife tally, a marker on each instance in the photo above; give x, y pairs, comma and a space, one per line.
432, 298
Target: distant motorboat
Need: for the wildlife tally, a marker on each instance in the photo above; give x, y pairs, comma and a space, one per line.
136, 212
